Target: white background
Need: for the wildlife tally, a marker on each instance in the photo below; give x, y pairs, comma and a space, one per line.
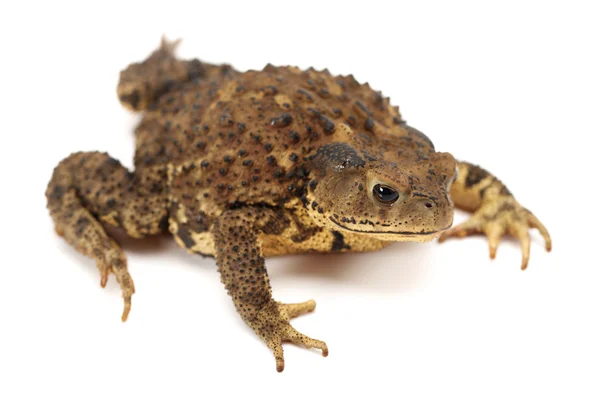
513, 87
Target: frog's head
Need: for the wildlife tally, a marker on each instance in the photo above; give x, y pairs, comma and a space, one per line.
405, 200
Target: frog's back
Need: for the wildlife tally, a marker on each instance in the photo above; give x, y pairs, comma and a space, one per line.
248, 137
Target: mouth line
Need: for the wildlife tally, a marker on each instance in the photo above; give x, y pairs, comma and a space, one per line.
391, 232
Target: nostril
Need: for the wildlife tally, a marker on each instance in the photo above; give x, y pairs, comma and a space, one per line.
428, 205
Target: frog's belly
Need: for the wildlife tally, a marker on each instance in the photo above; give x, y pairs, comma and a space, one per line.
289, 243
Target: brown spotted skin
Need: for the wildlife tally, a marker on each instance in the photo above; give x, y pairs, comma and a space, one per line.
242, 166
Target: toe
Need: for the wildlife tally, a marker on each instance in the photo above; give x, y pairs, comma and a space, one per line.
466, 228
494, 233
103, 278
277, 350
126, 308
298, 338
521, 232
536, 223
293, 310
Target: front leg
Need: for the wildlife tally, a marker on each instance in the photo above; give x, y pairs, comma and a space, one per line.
241, 263
495, 211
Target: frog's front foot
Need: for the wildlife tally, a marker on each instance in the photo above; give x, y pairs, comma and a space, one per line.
272, 324
499, 217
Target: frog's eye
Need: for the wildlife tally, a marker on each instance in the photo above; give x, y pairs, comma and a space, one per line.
385, 194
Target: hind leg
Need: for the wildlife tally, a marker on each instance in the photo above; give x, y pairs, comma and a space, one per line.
141, 84
88, 190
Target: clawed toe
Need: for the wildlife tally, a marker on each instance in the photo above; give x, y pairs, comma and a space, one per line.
292, 335
276, 317
123, 278
497, 220
126, 308
290, 311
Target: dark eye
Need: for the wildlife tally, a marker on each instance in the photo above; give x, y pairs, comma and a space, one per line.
385, 194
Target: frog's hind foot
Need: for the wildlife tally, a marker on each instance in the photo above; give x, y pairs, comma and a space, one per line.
83, 195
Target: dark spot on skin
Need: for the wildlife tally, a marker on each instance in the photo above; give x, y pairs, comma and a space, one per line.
58, 192
475, 175
199, 224
268, 147
133, 99
313, 184
282, 121
81, 224
271, 160
276, 223
294, 136
303, 198
270, 90
328, 126
338, 242
247, 163
241, 127
369, 124
242, 153
185, 237
293, 157
225, 120
305, 93
204, 164
362, 106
